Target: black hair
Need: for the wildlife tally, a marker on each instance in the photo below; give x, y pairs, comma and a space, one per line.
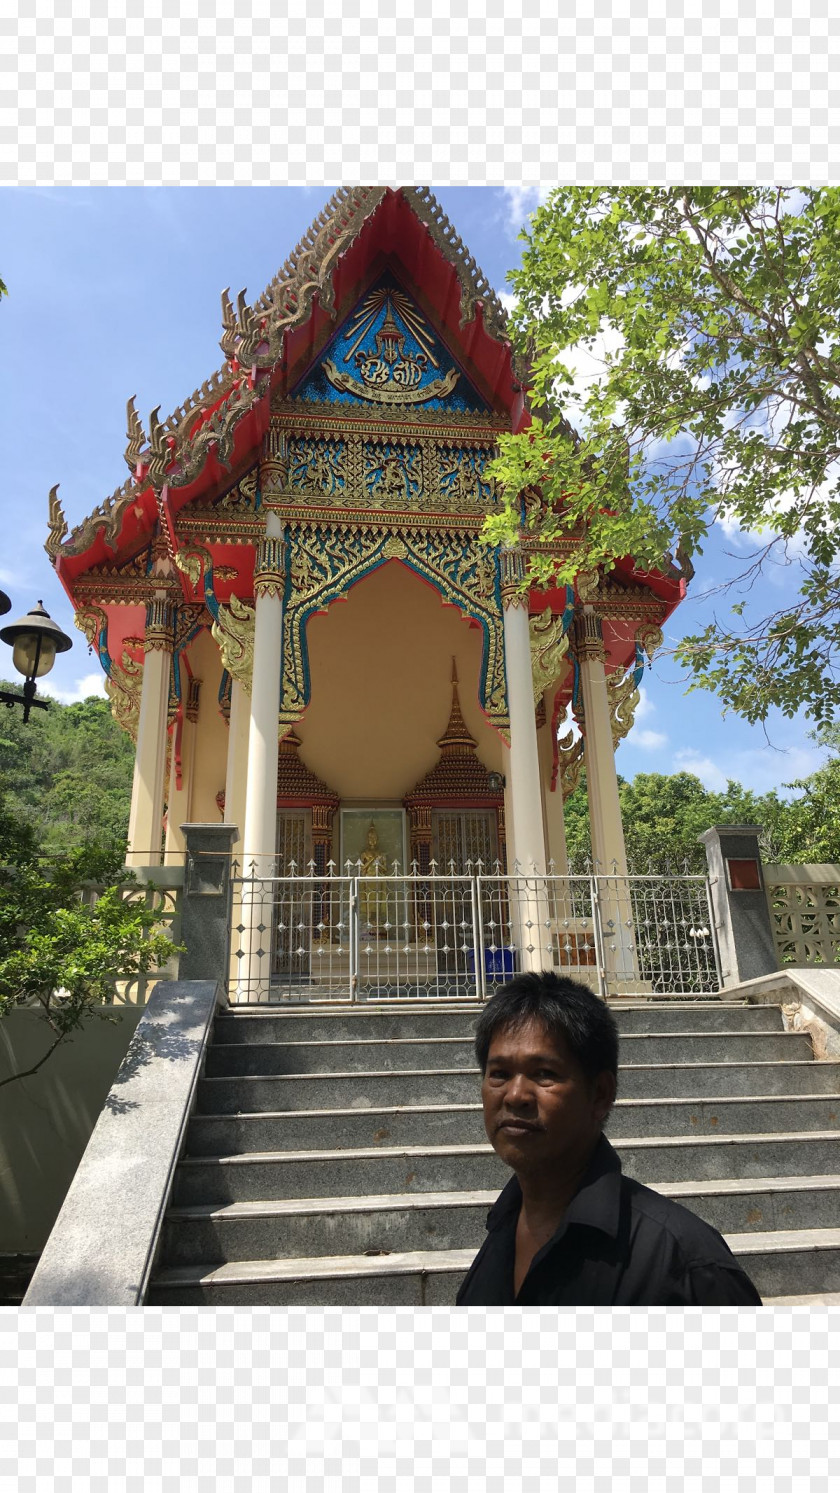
565, 1008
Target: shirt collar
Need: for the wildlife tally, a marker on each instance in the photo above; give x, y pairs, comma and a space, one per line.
596, 1203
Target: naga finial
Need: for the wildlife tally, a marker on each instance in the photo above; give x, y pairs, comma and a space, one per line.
136, 435
159, 453
57, 524
228, 339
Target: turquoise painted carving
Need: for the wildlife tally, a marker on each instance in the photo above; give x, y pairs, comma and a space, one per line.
324, 563
386, 355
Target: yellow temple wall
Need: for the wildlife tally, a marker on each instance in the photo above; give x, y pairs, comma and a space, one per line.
212, 742
381, 669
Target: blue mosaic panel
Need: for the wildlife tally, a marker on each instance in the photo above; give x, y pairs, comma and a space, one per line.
386, 356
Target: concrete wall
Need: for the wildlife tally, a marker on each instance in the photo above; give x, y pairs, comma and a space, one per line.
47, 1120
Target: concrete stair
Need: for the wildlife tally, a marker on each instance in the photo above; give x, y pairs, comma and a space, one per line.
339, 1156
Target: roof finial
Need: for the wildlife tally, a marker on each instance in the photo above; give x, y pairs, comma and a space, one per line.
456, 736
57, 524
135, 434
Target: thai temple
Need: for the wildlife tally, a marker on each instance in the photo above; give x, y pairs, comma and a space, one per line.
300, 624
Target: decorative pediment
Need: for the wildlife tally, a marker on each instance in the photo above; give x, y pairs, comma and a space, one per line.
385, 358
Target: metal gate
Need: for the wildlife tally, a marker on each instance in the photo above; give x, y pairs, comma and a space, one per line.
458, 936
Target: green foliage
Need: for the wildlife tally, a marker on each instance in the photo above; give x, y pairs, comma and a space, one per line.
716, 316
663, 814
67, 773
61, 953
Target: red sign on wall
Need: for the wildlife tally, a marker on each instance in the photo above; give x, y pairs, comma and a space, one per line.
743, 876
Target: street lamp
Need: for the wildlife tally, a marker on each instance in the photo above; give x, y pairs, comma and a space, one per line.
35, 641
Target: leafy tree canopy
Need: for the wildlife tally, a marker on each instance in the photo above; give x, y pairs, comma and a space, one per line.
65, 792
663, 814
67, 773
60, 952
715, 317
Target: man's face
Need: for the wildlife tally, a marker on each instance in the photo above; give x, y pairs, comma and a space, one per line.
541, 1113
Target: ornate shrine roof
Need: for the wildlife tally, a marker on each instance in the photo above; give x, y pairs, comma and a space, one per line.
268, 346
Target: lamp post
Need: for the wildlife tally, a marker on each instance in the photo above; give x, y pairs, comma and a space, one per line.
35, 641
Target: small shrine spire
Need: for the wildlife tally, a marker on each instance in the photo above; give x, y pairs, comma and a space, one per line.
456, 737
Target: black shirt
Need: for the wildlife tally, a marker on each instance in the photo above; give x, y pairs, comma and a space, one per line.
619, 1244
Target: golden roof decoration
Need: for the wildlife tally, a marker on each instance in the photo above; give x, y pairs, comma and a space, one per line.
456, 737
176, 448
458, 775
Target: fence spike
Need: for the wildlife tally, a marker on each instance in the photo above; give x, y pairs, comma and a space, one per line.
330, 868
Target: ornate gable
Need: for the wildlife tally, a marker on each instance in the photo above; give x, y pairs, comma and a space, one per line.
387, 358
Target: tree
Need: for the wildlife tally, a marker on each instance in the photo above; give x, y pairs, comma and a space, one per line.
715, 314
663, 814
58, 952
68, 774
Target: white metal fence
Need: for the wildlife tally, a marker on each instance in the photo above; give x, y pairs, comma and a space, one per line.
460, 934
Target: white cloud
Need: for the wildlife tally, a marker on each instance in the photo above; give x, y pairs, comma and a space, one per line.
648, 741
759, 768
703, 768
645, 706
520, 202
90, 684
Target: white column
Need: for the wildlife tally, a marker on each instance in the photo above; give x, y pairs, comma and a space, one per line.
260, 832
236, 774
599, 752
145, 825
606, 829
180, 800
524, 783
554, 823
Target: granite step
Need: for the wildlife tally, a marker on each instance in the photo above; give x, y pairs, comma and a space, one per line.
463, 1124
803, 1260
314, 1227
417, 1169
252, 1093
363, 1023
231, 1059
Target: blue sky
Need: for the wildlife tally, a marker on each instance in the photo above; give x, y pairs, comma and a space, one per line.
115, 291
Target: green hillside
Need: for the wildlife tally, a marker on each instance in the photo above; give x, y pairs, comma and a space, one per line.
67, 772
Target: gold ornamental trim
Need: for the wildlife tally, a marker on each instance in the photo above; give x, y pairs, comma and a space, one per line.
301, 415
160, 626
514, 591
346, 384
549, 648
233, 631
123, 688
270, 566
589, 638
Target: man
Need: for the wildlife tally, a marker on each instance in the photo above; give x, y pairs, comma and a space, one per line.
569, 1229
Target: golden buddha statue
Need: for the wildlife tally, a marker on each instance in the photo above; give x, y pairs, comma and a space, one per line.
373, 900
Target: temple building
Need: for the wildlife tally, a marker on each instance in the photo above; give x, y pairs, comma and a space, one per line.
299, 622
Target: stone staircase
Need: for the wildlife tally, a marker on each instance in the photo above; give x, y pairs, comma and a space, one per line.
339, 1156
